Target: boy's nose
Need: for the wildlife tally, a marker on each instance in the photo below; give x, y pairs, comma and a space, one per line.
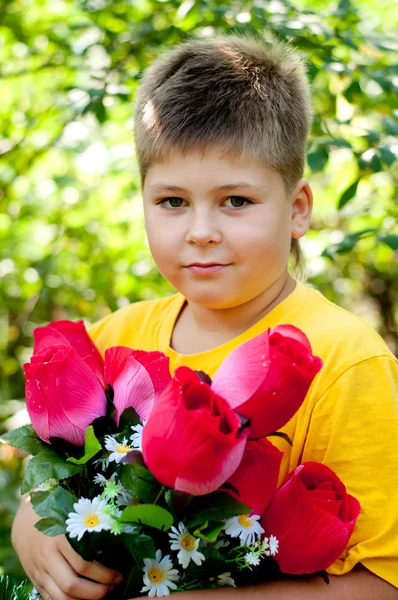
203, 230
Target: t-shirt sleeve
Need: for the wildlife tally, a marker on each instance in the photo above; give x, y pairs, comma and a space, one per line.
354, 431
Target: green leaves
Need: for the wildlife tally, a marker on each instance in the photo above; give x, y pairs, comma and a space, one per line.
148, 514
216, 506
47, 465
51, 526
138, 480
57, 503
348, 243
25, 438
91, 448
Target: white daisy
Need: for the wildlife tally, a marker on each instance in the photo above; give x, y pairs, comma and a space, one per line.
226, 579
35, 595
102, 462
159, 575
273, 545
89, 515
119, 451
245, 527
187, 545
136, 438
252, 559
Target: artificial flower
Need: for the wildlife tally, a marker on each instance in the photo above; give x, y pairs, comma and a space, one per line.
245, 527
63, 395
311, 504
136, 438
252, 559
273, 545
267, 378
136, 377
73, 335
159, 575
88, 515
187, 545
225, 579
119, 451
193, 441
256, 479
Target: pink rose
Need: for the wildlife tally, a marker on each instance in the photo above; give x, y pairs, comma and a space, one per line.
73, 335
267, 378
137, 378
63, 395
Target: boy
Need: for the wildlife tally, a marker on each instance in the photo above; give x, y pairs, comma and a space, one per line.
221, 129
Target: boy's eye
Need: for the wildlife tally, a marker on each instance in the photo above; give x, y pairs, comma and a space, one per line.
238, 201
174, 202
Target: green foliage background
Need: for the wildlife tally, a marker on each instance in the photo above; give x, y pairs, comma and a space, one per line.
72, 243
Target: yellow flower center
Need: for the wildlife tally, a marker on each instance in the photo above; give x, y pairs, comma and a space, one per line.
188, 541
156, 575
122, 448
91, 520
245, 521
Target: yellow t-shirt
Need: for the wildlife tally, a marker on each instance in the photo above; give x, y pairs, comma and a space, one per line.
348, 421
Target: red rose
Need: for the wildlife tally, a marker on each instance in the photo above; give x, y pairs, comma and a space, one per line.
267, 378
256, 478
313, 517
193, 440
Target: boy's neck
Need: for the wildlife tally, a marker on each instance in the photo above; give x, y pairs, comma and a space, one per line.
230, 322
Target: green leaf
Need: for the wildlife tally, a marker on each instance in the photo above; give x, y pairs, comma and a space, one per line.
177, 502
91, 447
140, 546
318, 159
387, 155
370, 161
140, 482
47, 465
57, 503
347, 244
129, 418
148, 514
51, 526
348, 194
219, 506
353, 92
25, 438
210, 532
390, 239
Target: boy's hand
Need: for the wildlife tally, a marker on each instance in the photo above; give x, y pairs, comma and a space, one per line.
53, 566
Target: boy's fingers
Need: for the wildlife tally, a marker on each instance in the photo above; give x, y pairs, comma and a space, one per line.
92, 570
65, 584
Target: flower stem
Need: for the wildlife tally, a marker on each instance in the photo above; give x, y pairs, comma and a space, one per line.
159, 494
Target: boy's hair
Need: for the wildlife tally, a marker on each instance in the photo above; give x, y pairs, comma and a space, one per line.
248, 96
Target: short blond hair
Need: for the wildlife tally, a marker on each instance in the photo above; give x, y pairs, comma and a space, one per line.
249, 96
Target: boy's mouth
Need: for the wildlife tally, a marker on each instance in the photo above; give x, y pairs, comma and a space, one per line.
206, 268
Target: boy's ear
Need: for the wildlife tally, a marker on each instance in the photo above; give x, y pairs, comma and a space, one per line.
301, 200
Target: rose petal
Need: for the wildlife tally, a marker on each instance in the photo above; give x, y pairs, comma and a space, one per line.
256, 477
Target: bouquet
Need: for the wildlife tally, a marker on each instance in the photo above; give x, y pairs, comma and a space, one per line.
173, 480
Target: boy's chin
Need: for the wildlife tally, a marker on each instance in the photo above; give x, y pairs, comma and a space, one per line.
212, 299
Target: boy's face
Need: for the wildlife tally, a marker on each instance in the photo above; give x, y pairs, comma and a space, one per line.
212, 216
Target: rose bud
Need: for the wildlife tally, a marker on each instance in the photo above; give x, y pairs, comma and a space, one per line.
193, 440
313, 517
267, 378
